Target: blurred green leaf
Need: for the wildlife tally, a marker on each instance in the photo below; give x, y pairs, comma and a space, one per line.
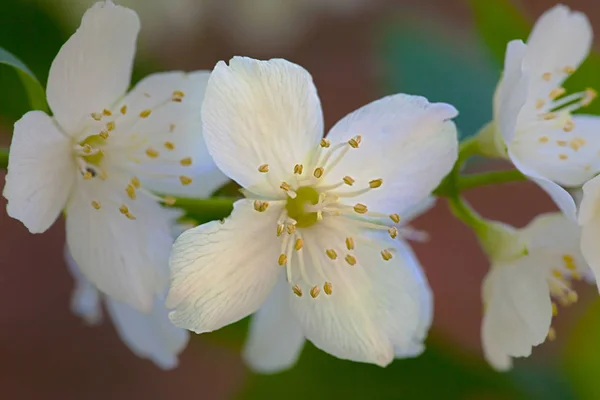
35, 91
205, 210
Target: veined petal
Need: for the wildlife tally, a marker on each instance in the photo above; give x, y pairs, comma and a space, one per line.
567, 158
559, 195
126, 258
41, 172
257, 113
589, 219
151, 335
590, 201
223, 271
275, 338
203, 185
377, 309
518, 311
93, 68
85, 300
408, 142
553, 232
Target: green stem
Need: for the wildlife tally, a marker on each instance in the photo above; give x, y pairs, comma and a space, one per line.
470, 181
3, 158
466, 214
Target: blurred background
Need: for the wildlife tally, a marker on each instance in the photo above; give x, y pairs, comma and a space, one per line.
357, 51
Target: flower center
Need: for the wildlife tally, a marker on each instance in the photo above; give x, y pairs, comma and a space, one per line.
297, 207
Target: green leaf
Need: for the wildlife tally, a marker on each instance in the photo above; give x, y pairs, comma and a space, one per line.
205, 210
35, 91
3, 158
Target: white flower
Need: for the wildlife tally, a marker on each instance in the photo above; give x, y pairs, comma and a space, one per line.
310, 243
534, 116
532, 270
589, 220
102, 152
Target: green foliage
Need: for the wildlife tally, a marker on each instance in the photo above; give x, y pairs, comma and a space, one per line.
35, 91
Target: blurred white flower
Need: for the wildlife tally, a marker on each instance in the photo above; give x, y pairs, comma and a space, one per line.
531, 274
102, 152
533, 117
312, 245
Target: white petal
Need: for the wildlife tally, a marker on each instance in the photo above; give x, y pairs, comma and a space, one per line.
261, 112
567, 158
589, 219
377, 309
223, 271
41, 171
126, 259
511, 93
85, 301
518, 311
203, 185
553, 232
151, 335
590, 201
406, 141
93, 68
173, 128
275, 338
559, 195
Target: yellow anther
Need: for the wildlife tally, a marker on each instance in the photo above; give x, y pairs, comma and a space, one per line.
123, 209
348, 180
291, 228
96, 116
576, 275
87, 148
393, 231
350, 243
124, 110
386, 255
562, 143
331, 254
569, 125
95, 204
539, 103
185, 180
318, 172
572, 297
280, 229
145, 113
350, 259
551, 334
546, 76
568, 69
314, 292
282, 259
152, 153
285, 186
563, 156
543, 139
106, 112
297, 291
130, 189
186, 162
177, 96
103, 135
171, 127
589, 96
576, 143
355, 141
554, 309
169, 145
298, 168
395, 218
548, 116
111, 126
569, 261
556, 93
87, 175
130, 216
325, 143
135, 182
587, 167
375, 183
299, 244
261, 206
328, 288
169, 200
360, 208
263, 168
556, 273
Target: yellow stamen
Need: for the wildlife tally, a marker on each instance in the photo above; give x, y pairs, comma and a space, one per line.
280, 229
543, 139
568, 69
546, 76
285, 186
318, 172
282, 259
569, 126
297, 291
103, 135
393, 231
124, 110
185, 180
96, 116
325, 143
314, 292
111, 126
96, 205
331, 254
563, 156
169, 146
539, 103
298, 168
395, 218
350, 243
386, 255
186, 162
360, 208
556, 93
135, 182
348, 180
263, 168
355, 141
328, 288
375, 183
299, 244
350, 259
145, 113
152, 153
130, 189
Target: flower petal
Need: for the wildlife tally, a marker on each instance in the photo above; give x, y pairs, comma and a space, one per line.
377, 309
223, 271
559, 195
41, 171
85, 301
93, 68
151, 335
567, 158
406, 141
126, 259
518, 311
275, 339
261, 112
589, 219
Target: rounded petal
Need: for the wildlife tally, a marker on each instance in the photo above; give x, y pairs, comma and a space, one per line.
261, 112
126, 259
275, 338
377, 309
85, 301
554, 232
41, 172
589, 219
406, 141
93, 68
223, 271
518, 311
559, 195
590, 201
150, 335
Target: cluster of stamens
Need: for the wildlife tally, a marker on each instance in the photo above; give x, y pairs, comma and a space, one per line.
90, 153
308, 200
561, 288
